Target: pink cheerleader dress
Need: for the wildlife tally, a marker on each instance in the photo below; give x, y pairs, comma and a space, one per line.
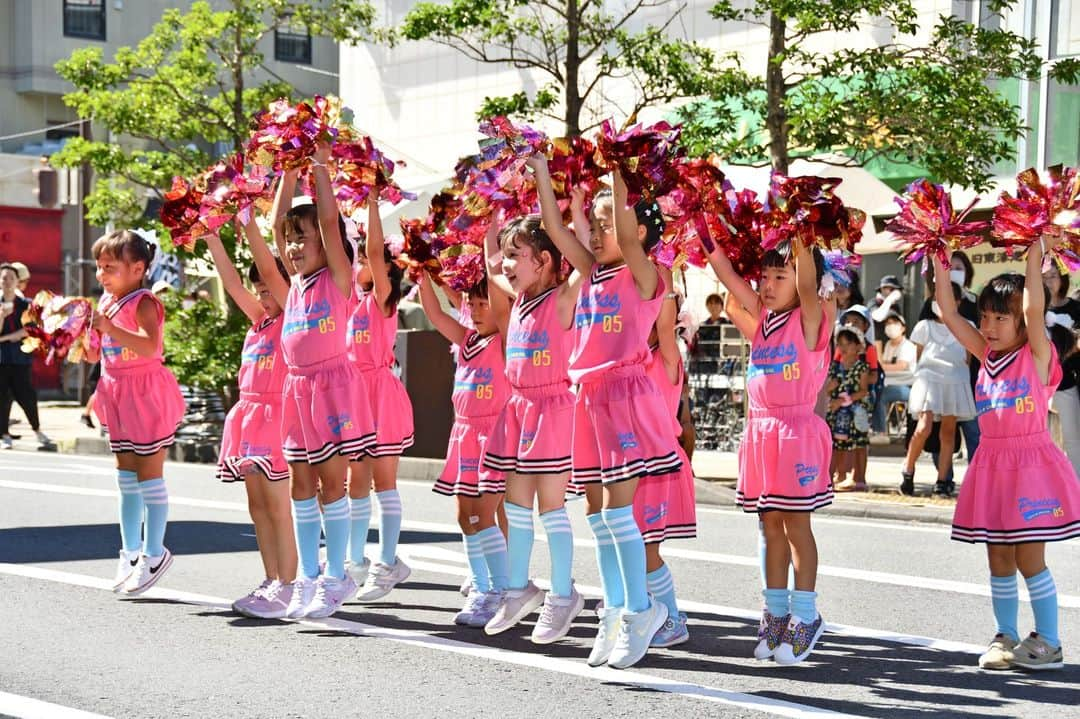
1020, 487
252, 436
371, 348
531, 436
785, 453
138, 401
480, 394
664, 505
324, 412
622, 426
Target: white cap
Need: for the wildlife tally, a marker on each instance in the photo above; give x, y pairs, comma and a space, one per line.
161, 286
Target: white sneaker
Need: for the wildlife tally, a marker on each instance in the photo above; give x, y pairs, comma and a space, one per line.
486, 611
556, 616
124, 567
241, 605
274, 602
516, 605
330, 594
382, 578
636, 631
799, 640
473, 603
303, 591
605, 636
358, 572
6, 442
148, 570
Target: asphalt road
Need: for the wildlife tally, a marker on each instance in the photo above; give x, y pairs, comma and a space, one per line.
909, 611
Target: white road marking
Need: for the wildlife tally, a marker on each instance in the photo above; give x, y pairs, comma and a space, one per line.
860, 575
26, 708
715, 695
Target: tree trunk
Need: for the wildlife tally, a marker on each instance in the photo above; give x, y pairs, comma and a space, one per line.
776, 93
240, 121
573, 63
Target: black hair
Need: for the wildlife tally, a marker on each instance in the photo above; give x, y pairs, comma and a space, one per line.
254, 276
851, 335
856, 291
125, 245
526, 230
647, 212
1004, 295
782, 256
1063, 291
1064, 340
714, 298
310, 212
393, 270
969, 269
479, 290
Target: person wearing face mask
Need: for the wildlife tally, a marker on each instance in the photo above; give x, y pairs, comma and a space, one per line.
898, 358
889, 298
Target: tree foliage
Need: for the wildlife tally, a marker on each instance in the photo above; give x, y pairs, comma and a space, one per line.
186, 87
203, 343
939, 105
575, 46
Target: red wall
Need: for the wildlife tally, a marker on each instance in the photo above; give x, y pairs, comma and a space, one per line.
33, 236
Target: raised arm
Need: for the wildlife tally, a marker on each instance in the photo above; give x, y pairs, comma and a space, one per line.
630, 245
1035, 305
961, 329
578, 216
578, 256
738, 288
665, 327
286, 186
230, 278
447, 326
336, 258
806, 283
265, 261
376, 257
493, 256
741, 317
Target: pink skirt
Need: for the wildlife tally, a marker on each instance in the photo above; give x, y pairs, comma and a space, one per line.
622, 430
463, 474
391, 413
784, 461
1017, 490
664, 506
251, 440
324, 412
139, 407
531, 435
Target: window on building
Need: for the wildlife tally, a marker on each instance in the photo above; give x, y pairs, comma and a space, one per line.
85, 19
1063, 126
292, 43
1064, 28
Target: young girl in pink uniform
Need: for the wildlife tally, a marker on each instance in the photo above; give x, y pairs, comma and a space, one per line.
622, 428
785, 454
371, 337
251, 443
324, 415
529, 444
664, 505
480, 393
138, 403
1020, 491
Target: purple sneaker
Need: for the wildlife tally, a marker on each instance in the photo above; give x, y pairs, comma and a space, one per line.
770, 632
274, 602
242, 605
799, 640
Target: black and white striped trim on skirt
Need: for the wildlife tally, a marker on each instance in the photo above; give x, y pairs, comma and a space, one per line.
672, 531
350, 448
390, 449
556, 465
974, 535
634, 469
780, 503
229, 471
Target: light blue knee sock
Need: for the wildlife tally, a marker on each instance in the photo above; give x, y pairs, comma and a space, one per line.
481, 579
778, 602
608, 562
156, 498
306, 523
662, 587
389, 524
493, 544
804, 605
1005, 599
519, 542
131, 511
561, 547
336, 528
360, 522
631, 550
1044, 604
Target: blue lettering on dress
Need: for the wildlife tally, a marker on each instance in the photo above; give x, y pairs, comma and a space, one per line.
770, 359
263, 348
655, 514
298, 319
1033, 508
521, 343
626, 440
339, 422
592, 308
806, 473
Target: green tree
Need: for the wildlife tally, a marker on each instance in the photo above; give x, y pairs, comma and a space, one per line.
185, 87
576, 45
938, 105
203, 343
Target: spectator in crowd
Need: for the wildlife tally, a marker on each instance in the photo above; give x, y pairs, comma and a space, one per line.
1057, 282
705, 348
858, 316
962, 272
898, 357
848, 415
15, 380
889, 297
850, 295
23, 273
941, 391
1066, 400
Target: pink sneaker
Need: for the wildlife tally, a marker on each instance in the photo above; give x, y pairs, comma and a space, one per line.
241, 605
273, 603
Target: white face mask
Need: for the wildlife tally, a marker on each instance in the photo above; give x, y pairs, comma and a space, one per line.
892, 331
935, 308
957, 276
